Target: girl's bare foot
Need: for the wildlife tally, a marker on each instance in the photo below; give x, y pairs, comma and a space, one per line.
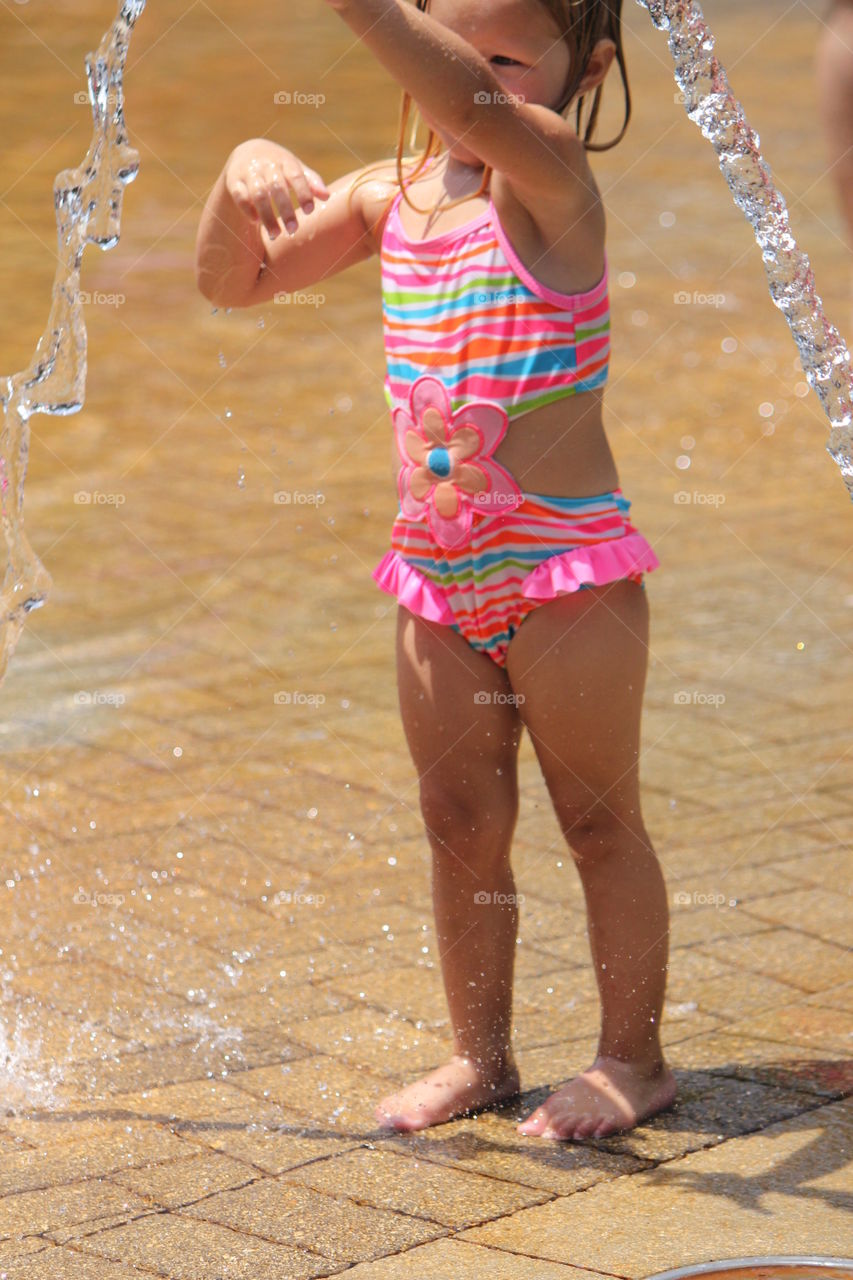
609, 1096
453, 1089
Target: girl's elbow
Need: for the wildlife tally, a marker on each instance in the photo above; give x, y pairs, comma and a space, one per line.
216, 282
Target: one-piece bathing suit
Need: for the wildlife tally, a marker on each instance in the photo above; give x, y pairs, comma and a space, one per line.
472, 341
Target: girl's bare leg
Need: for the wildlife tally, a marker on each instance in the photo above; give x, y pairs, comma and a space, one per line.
463, 733
580, 661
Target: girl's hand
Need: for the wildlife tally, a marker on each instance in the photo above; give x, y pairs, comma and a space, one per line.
265, 181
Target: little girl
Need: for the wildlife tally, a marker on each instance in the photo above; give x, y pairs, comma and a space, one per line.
495, 304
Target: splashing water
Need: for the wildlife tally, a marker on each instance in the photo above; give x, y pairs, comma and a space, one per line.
710, 103
88, 211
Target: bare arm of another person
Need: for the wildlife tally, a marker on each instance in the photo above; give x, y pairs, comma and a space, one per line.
242, 256
834, 70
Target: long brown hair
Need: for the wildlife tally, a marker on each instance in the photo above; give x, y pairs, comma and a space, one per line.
582, 23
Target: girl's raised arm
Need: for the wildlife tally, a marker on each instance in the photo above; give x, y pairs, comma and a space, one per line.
533, 147
243, 257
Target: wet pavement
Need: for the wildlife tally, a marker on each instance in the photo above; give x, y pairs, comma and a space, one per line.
218, 950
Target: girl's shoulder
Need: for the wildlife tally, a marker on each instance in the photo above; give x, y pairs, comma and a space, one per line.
375, 189
564, 253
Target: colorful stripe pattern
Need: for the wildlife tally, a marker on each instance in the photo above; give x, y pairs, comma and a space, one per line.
547, 547
464, 307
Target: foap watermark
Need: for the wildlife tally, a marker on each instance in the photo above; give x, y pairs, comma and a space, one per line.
483, 497
500, 295
298, 98
296, 898
99, 698
482, 697
100, 299
483, 97
82, 898
299, 299
298, 497
81, 97
685, 697
697, 299
685, 496
297, 698
482, 898
94, 498
684, 899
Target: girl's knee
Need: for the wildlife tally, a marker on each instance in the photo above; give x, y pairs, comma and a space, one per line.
461, 818
602, 834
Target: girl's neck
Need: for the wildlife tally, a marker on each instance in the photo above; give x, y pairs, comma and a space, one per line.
458, 180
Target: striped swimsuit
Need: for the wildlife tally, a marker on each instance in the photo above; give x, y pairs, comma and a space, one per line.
472, 341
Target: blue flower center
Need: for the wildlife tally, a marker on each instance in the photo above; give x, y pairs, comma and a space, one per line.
438, 461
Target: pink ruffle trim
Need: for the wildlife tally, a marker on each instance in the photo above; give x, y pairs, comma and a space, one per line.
598, 563
412, 589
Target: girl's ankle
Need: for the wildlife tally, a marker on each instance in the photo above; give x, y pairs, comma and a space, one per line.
492, 1066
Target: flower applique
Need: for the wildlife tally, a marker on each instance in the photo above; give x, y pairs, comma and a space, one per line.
447, 471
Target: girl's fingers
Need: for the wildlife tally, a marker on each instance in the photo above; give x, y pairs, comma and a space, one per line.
317, 185
260, 190
270, 192
296, 179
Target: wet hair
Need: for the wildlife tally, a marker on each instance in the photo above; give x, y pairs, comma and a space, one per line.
583, 23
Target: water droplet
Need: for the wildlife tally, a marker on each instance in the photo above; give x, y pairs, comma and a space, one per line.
667, 219
241, 479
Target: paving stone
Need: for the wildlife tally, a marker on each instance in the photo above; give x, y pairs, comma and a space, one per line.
283, 1003
19, 1256
324, 1089
748, 1197
488, 1143
410, 1185
73, 1161
837, 997
185, 1247
413, 992
709, 1109
374, 1039
831, 869
803, 961
227, 1050
34, 1212
789, 1066
96, 993
458, 1260
800, 1023
736, 994
818, 912
335, 1228
180, 1182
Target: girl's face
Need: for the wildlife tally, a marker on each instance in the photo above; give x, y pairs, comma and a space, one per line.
521, 43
